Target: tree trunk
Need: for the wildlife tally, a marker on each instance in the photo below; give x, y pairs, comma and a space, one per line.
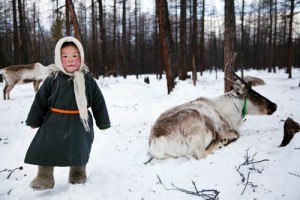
123, 50
166, 43
183, 71
229, 44
242, 39
68, 27
270, 51
94, 44
23, 35
74, 20
202, 49
194, 42
16, 33
275, 39
102, 37
289, 44
114, 40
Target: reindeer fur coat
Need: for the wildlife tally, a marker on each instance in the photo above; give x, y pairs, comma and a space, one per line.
61, 139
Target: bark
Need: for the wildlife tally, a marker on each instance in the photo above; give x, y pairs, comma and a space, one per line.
23, 35
74, 20
68, 27
166, 43
16, 33
289, 44
183, 70
194, 42
94, 44
123, 50
229, 44
202, 49
102, 37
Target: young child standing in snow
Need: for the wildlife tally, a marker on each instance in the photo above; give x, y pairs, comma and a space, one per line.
60, 110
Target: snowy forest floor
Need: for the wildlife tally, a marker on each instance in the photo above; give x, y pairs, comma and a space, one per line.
253, 167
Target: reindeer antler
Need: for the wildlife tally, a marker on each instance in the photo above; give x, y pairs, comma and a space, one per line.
247, 85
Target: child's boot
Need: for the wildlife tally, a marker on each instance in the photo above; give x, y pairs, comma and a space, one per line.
44, 179
77, 175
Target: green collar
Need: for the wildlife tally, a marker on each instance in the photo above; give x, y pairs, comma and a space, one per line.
244, 111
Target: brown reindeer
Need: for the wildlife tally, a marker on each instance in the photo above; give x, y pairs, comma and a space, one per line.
21, 74
199, 127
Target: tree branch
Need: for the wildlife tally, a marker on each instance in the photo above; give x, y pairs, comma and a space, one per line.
210, 194
249, 160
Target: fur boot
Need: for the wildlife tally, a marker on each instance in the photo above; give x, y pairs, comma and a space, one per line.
77, 175
44, 179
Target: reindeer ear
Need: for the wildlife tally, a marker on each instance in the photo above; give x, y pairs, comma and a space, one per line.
240, 88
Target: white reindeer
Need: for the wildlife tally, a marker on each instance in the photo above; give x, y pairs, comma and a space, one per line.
20, 74
199, 127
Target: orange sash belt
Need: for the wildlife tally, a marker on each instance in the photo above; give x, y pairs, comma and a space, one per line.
56, 110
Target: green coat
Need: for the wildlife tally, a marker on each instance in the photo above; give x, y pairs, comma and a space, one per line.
61, 139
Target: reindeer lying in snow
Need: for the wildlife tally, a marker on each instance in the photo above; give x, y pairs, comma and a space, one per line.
20, 74
199, 127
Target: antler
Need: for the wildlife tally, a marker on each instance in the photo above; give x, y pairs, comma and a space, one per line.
247, 85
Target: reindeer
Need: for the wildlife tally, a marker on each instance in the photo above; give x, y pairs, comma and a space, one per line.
199, 127
21, 74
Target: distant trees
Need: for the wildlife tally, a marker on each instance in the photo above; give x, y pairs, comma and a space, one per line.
120, 38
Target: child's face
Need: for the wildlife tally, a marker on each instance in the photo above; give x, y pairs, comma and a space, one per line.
70, 58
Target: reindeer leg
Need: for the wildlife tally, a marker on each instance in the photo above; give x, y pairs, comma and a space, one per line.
228, 137
215, 144
6, 91
36, 85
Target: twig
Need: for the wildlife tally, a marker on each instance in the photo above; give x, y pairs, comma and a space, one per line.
210, 194
145, 163
8, 193
294, 174
249, 160
248, 183
20, 168
5, 170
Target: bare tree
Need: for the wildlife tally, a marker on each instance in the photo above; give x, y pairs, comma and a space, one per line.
16, 33
94, 59
24, 50
182, 56
102, 37
202, 49
194, 42
270, 51
229, 44
166, 43
124, 40
74, 19
289, 43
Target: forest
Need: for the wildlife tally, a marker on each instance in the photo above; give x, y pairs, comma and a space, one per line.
121, 38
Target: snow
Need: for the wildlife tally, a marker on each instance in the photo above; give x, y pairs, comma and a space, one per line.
116, 168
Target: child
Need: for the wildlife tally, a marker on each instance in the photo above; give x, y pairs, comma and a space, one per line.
60, 110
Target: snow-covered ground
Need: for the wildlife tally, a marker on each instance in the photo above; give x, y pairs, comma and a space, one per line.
117, 169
